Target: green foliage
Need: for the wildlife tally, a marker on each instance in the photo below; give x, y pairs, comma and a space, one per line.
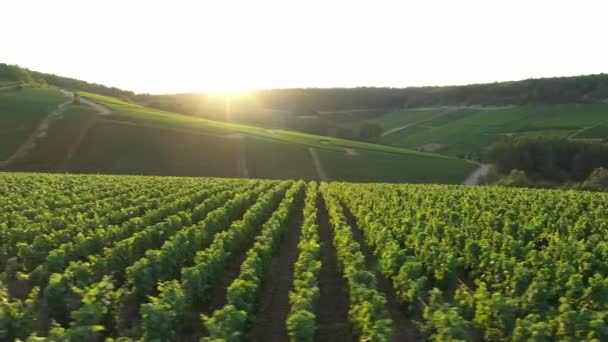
597, 180
444, 321
95, 257
230, 322
548, 159
20, 114
17, 318
162, 320
14, 73
516, 178
475, 268
305, 294
367, 309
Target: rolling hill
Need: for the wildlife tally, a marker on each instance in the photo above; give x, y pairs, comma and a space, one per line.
108, 135
264, 136
463, 130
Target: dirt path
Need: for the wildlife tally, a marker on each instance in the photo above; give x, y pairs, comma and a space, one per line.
397, 129
99, 108
403, 330
332, 319
84, 131
242, 157
477, 174
274, 305
581, 130
39, 132
318, 164
350, 151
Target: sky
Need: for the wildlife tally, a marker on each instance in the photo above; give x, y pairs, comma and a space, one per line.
229, 46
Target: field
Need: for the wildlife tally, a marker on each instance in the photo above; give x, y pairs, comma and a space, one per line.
50, 152
127, 138
170, 258
460, 131
124, 111
180, 145
116, 148
382, 167
599, 131
20, 113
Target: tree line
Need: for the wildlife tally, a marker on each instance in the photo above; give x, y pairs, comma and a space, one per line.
550, 162
23, 75
555, 90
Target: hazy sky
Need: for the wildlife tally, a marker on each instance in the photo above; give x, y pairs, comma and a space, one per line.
222, 45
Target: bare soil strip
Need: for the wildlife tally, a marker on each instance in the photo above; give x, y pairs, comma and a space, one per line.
332, 318
318, 164
403, 329
274, 305
99, 108
242, 160
475, 177
350, 151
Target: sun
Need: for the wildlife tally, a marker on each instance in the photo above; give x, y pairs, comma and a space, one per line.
229, 89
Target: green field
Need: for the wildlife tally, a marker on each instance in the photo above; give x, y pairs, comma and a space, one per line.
50, 151
403, 117
596, 132
117, 148
134, 113
382, 167
278, 160
464, 131
20, 113
274, 154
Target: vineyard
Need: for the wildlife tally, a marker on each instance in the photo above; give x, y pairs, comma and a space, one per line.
121, 258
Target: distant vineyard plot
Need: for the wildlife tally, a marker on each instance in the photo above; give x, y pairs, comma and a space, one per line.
93, 257
459, 131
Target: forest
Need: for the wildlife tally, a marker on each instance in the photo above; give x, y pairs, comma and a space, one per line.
547, 161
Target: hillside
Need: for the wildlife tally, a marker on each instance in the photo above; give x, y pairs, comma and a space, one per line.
123, 138
91, 257
424, 118
466, 130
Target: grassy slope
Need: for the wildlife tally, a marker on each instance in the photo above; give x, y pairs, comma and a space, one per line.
474, 129
134, 113
270, 153
404, 117
599, 131
382, 167
50, 151
116, 148
277, 160
21, 112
